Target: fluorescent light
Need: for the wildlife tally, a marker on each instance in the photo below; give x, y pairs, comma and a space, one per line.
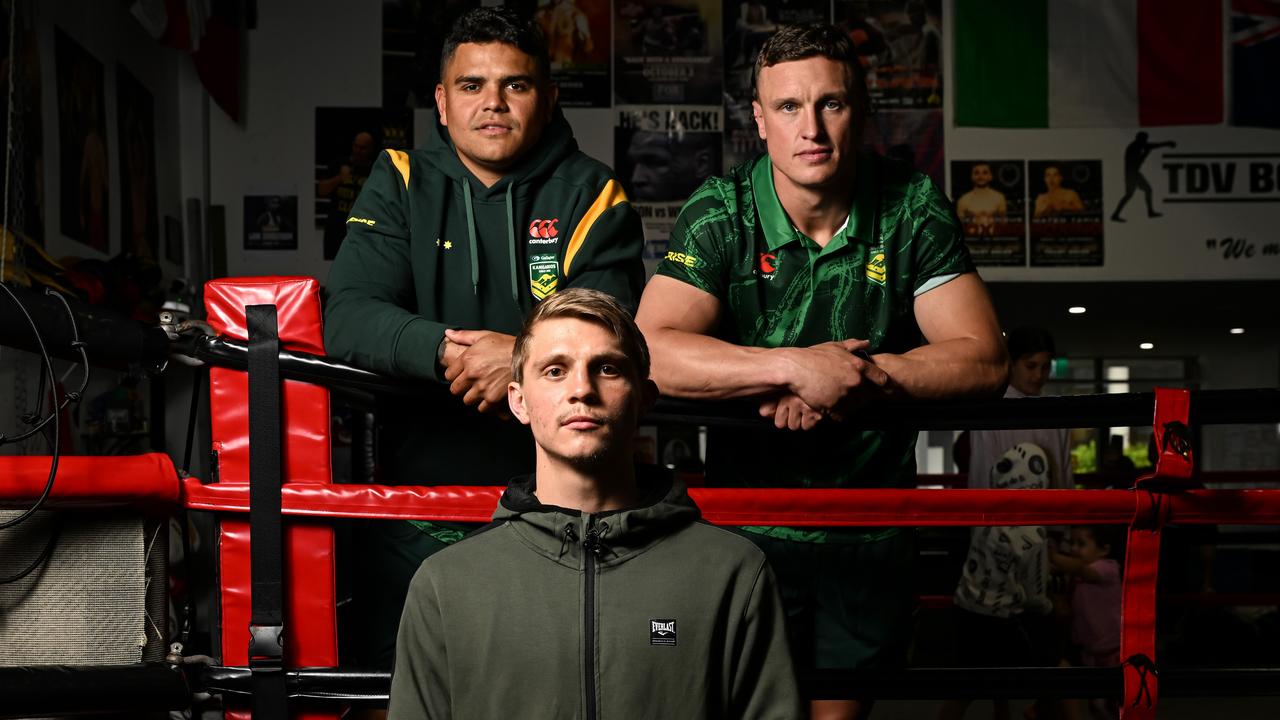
1146, 346
1237, 331
1077, 309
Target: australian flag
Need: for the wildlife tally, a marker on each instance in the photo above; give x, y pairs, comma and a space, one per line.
1255, 57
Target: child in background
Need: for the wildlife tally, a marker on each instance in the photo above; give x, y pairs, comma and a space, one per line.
1094, 570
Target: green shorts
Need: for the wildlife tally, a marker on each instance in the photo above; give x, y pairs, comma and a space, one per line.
849, 605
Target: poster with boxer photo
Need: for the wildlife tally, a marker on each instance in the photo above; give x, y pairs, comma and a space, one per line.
579, 43
1066, 212
662, 154
913, 136
746, 26
991, 204
85, 181
348, 141
900, 44
270, 222
668, 51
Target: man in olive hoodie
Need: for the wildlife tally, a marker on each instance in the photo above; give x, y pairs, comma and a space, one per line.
447, 249
595, 592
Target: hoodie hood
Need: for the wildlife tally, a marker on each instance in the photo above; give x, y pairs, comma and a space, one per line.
543, 158
565, 535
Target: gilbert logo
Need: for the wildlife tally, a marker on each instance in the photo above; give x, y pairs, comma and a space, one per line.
662, 632
545, 229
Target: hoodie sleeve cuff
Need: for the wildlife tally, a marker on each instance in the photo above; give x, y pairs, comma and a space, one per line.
416, 348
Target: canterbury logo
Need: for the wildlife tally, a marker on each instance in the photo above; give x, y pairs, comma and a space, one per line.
543, 228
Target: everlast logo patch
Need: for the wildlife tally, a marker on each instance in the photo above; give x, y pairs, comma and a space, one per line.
662, 632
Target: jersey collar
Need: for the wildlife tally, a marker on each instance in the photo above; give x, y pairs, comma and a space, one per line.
779, 231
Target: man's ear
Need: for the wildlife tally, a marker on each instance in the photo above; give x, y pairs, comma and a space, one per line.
757, 112
440, 104
515, 401
648, 395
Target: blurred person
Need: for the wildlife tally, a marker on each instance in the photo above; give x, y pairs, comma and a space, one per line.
342, 185
568, 31
982, 206
1093, 566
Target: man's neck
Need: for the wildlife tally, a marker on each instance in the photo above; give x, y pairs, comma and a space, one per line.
487, 176
602, 487
816, 212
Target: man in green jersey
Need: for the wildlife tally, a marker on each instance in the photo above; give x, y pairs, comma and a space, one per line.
805, 279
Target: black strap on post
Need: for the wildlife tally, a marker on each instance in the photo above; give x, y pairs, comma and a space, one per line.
266, 623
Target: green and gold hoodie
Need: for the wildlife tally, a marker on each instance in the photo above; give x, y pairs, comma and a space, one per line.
429, 247
627, 615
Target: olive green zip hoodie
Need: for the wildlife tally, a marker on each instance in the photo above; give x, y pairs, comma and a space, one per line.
552, 613
429, 247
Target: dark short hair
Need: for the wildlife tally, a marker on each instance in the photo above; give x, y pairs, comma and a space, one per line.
1028, 340
799, 42
592, 306
500, 24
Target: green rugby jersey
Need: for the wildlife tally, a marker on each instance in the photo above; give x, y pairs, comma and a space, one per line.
779, 288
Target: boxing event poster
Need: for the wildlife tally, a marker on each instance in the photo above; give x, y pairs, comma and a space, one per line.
412, 37
579, 43
270, 222
914, 136
668, 52
26, 136
348, 141
1066, 212
139, 217
746, 26
82, 144
991, 204
900, 44
662, 154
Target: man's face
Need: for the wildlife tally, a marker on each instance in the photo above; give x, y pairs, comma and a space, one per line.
981, 175
806, 117
495, 104
580, 394
1052, 177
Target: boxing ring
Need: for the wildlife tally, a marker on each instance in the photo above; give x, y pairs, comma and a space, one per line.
272, 494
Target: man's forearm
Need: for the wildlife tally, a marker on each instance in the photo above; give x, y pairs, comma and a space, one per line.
700, 367
962, 367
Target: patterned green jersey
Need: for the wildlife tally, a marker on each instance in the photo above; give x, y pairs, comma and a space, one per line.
734, 240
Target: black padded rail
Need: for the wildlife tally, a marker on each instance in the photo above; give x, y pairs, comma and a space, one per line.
44, 690
1208, 407
112, 339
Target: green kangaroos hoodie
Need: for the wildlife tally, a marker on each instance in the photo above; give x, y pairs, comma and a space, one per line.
429, 247
625, 615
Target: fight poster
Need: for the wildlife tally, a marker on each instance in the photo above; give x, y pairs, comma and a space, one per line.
746, 26
1066, 212
662, 154
413, 35
579, 44
913, 136
348, 141
270, 222
668, 52
82, 144
135, 123
991, 203
900, 44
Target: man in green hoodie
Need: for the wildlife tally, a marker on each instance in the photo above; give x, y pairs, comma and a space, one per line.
595, 592
447, 249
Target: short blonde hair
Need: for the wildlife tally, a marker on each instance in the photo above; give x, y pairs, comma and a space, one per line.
592, 306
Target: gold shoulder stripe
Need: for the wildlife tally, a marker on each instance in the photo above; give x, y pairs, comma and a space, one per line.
610, 195
400, 159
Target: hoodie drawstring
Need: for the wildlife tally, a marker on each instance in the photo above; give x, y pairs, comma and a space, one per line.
511, 246
570, 536
471, 236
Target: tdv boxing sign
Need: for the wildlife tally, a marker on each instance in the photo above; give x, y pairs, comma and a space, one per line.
1222, 177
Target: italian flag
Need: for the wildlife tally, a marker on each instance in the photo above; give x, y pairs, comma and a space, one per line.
1088, 63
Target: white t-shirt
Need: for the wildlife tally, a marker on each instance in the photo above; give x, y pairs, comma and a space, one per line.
986, 447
